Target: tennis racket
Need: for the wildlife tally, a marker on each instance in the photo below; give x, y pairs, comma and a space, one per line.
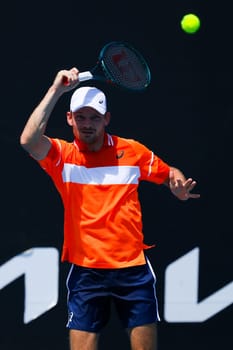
122, 65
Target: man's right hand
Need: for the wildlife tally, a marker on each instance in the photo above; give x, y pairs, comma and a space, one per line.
66, 80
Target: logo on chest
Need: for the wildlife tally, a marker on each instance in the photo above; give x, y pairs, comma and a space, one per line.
120, 154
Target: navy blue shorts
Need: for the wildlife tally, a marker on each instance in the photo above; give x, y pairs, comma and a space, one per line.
91, 292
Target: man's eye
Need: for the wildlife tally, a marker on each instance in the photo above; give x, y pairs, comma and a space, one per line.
79, 118
95, 117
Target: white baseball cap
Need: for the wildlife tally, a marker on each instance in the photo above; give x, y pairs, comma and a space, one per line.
87, 96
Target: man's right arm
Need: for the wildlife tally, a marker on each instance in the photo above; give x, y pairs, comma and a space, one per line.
33, 138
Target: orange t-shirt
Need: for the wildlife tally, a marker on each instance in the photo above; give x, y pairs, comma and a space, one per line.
102, 213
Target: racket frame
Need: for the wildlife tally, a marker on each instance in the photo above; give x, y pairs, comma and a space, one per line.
106, 77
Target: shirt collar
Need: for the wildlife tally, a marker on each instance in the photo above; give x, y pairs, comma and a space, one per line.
83, 147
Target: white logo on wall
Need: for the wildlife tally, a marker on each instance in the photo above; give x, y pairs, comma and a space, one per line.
40, 267
181, 292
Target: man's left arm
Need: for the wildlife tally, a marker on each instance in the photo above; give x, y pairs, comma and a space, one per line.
180, 186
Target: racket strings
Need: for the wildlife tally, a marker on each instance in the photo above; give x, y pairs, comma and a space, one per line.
126, 67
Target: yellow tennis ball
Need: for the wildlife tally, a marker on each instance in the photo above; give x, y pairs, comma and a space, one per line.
190, 23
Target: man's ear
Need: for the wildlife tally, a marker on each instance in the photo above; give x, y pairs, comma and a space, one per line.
107, 118
69, 118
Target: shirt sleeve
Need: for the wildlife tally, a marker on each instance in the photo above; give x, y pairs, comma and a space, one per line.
152, 167
53, 158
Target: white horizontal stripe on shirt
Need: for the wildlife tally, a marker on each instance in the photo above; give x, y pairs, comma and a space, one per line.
109, 175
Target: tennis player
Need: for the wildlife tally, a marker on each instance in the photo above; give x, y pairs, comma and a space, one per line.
97, 176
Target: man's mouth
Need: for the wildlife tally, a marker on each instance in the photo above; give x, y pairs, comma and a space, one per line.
87, 131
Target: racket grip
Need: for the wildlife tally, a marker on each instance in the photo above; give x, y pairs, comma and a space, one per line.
81, 77
85, 76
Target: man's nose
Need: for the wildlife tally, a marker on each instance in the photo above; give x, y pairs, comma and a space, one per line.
87, 123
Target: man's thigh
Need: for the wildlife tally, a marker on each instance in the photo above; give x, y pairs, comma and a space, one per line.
143, 337
82, 340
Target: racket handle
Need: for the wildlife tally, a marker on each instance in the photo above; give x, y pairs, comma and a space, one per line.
81, 77
85, 76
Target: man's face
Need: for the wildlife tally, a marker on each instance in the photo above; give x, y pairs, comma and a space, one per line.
88, 125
